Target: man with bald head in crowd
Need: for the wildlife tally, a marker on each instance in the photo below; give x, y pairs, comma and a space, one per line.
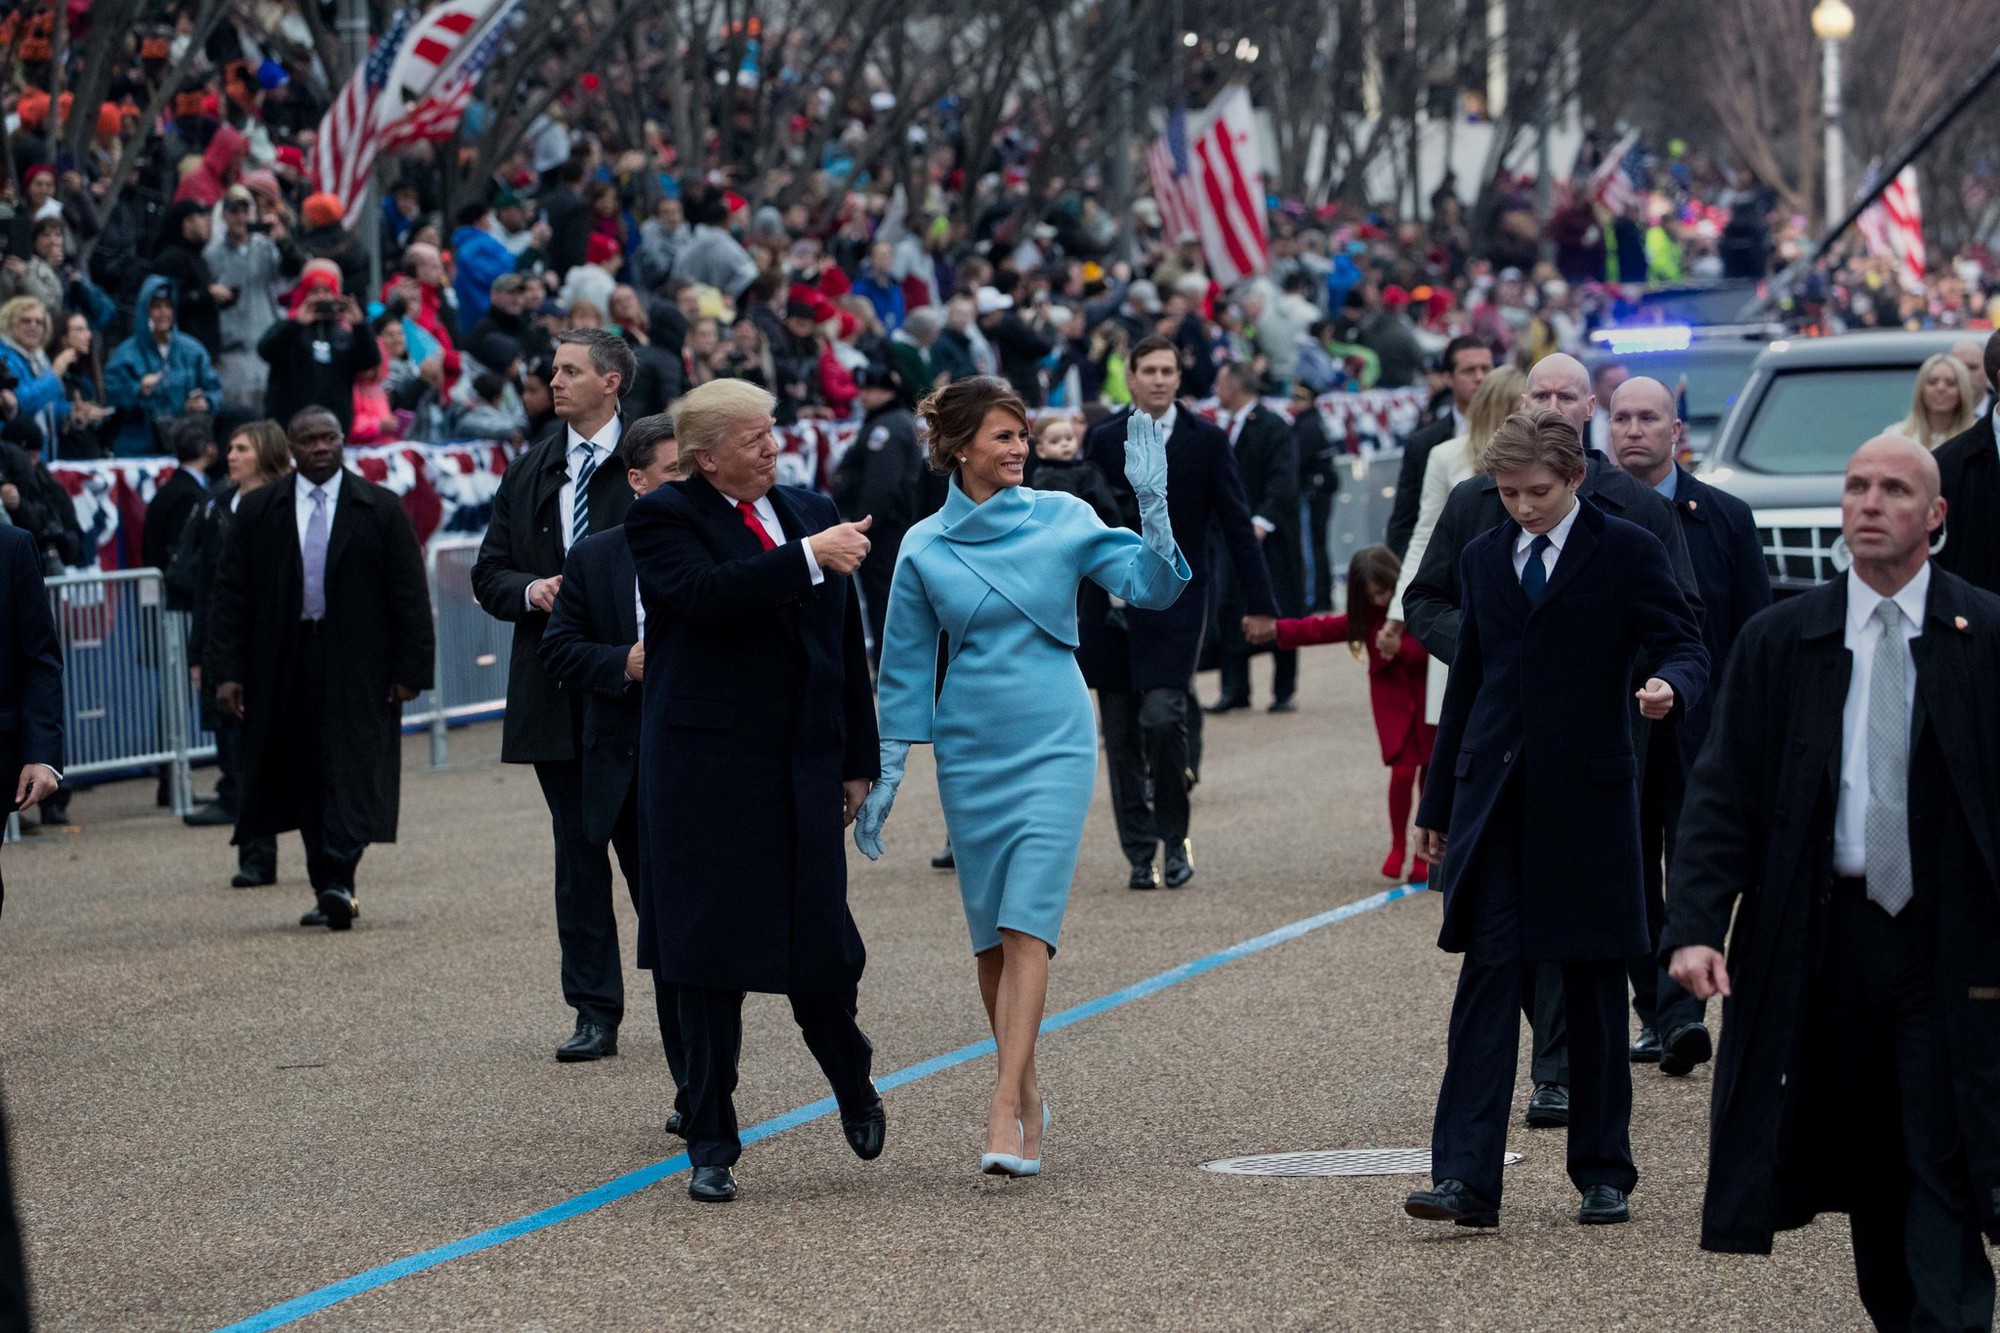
1728, 557
1432, 606
1843, 814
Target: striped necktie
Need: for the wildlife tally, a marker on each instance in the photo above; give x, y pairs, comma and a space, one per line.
579, 523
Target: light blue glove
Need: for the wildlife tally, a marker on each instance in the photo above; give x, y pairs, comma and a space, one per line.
874, 810
1146, 470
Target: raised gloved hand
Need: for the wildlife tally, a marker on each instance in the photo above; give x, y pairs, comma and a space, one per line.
874, 811
1145, 455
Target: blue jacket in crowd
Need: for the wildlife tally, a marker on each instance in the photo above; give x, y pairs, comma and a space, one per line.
182, 368
481, 258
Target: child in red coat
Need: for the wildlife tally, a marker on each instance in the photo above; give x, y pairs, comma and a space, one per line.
1395, 688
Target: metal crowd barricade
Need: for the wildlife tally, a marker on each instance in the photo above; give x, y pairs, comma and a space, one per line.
472, 648
1361, 509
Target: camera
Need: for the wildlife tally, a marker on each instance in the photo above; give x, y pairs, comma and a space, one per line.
322, 308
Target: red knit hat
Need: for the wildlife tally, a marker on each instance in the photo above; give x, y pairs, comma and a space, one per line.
600, 249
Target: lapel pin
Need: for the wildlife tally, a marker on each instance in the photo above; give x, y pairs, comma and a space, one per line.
1960, 622
1693, 505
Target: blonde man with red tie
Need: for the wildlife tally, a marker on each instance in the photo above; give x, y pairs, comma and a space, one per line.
757, 745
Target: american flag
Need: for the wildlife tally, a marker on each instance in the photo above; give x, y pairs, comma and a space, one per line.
345, 153
1611, 184
1209, 185
1893, 226
436, 115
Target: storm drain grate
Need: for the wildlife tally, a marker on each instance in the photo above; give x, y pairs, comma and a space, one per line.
1341, 1162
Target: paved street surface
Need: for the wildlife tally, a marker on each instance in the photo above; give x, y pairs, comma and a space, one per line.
215, 1112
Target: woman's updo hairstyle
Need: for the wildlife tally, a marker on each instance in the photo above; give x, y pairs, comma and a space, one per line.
954, 414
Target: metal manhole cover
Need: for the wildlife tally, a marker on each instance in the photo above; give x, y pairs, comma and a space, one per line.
1342, 1162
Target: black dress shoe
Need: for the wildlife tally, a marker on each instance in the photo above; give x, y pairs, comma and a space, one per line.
1180, 867
1549, 1107
1685, 1047
944, 860
211, 815
336, 904
712, 1184
676, 1125
1284, 705
590, 1041
313, 918
1452, 1201
866, 1131
243, 879
1604, 1205
1143, 877
1646, 1047
1227, 706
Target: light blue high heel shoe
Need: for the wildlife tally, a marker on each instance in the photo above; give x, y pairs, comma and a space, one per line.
1007, 1163
1033, 1165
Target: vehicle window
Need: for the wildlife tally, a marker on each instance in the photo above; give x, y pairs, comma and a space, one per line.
1713, 380
1811, 421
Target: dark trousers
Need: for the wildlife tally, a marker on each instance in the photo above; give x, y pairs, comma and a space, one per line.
332, 857
1236, 655
1876, 1044
875, 578
593, 975
257, 857
712, 1028
13, 1268
1661, 1003
1318, 519
1469, 1134
1146, 739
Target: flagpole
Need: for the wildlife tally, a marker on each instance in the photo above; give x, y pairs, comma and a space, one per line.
353, 24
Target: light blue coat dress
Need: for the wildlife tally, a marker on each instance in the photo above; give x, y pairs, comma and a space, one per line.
1013, 729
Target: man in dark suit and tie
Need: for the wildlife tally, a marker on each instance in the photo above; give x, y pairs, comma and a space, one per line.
1267, 461
759, 745
1728, 559
1842, 815
1141, 663
1467, 363
1969, 472
1536, 787
177, 497
595, 646
31, 741
321, 632
568, 484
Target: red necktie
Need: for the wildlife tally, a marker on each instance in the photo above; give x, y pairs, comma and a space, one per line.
756, 526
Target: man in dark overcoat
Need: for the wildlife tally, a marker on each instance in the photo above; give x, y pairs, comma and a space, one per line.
1559, 384
321, 631
1969, 473
1846, 811
881, 475
595, 647
759, 744
1468, 360
1728, 557
1267, 461
1141, 663
538, 515
1536, 787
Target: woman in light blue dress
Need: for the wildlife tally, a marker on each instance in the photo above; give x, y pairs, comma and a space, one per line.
996, 573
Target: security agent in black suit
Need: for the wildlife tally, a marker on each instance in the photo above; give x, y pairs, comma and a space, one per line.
1844, 813
595, 646
1728, 560
167, 517
537, 517
881, 474
1141, 663
1467, 363
1535, 783
760, 739
1969, 471
1267, 461
1431, 603
31, 741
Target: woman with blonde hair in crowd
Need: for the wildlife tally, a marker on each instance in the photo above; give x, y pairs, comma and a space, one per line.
1942, 404
25, 331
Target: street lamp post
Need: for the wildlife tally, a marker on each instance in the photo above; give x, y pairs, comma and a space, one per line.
1833, 23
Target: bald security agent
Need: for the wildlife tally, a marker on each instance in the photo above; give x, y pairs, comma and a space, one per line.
1728, 558
759, 745
320, 632
1845, 811
568, 485
595, 647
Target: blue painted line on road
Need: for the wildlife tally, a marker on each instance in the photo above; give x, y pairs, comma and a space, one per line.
611, 1191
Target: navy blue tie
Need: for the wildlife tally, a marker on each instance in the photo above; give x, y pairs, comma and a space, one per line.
1535, 575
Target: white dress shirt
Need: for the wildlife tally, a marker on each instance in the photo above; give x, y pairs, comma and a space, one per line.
302, 504
600, 447
767, 515
1233, 423
1863, 633
1557, 535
